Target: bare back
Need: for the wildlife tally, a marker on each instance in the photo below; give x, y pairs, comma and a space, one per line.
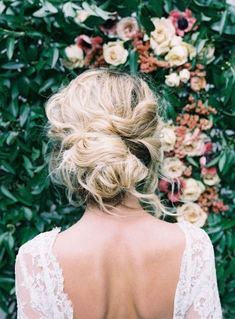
119, 268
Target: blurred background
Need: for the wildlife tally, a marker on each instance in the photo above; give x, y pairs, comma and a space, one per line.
186, 51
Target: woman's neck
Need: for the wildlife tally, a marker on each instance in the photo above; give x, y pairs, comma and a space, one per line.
129, 207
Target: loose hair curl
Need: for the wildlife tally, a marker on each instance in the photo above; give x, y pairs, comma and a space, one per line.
105, 142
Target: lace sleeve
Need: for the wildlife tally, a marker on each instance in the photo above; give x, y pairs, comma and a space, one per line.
204, 298
39, 281
27, 282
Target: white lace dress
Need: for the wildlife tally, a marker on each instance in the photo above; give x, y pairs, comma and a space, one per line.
39, 279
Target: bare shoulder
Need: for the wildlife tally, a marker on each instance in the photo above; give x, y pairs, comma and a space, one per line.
171, 232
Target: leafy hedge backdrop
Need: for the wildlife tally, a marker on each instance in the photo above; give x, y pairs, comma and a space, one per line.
185, 47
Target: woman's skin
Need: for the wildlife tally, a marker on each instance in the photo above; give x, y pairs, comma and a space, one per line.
121, 267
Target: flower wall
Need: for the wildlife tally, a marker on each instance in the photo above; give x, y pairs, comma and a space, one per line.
185, 49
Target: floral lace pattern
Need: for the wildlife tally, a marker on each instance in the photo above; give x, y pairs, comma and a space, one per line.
197, 293
40, 283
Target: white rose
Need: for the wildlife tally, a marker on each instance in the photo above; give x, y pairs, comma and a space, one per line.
175, 41
172, 167
161, 37
115, 53
167, 138
127, 28
193, 213
184, 75
193, 146
178, 55
75, 56
81, 16
172, 79
191, 49
192, 190
210, 179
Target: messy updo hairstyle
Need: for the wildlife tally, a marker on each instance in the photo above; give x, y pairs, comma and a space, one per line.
104, 131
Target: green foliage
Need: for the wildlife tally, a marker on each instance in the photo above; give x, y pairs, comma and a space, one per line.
33, 35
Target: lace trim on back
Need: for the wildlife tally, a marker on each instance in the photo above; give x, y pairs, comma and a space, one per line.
42, 278
197, 291
62, 300
183, 287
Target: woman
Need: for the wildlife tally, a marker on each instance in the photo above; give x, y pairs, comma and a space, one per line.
118, 261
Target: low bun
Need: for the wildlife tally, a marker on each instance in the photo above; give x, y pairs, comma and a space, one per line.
103, 129
104, 174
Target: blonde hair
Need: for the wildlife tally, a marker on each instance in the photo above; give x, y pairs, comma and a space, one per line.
104, 128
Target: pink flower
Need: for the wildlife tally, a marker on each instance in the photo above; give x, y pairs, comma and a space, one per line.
109, 27
173, 190
203, 161
207, 154
209, 170
164, 186
208, 147
173, 197
88, 43
182, 21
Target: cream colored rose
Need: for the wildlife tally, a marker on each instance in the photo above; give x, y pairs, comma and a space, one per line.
115, 53
175, 41
172, 167
172, 79
184, 75
193, 146
193, 213
211, 179
127, 28
190, 49
81, 16
167, 138
75, 56
178, 55
161, 37
192, 190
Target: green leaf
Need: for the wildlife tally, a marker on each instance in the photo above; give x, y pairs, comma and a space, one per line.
48, 84
133, 57
7, 193
28, 214
47, 9
223, 21
214, 161
230, 160
55, 57
156, 7
203, 3
24, 196
11, 137
168, 5
192, 161
2, 7
222, 162
13, 66
24, 114
6, 280
7, 167
69, 9
227, 224
228, 29
10, 47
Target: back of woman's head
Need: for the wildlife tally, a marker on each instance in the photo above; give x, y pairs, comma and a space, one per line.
105, 143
